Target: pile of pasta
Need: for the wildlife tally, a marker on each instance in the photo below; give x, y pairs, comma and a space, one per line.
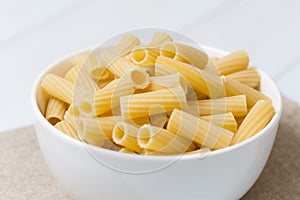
163, 98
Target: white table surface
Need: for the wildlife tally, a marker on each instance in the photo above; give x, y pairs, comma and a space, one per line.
35, 33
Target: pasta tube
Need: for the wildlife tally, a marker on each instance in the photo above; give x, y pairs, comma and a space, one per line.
55, 110
198, 130
143, 57
203, 152
259, 116
71, 114
118, 65
211, 67
97, 129
233, 62
168, 81
126, 150
61, 88
225, 120
162, 140
84, 80
233, 87
206, 83
237, 105
42, 101
87, 62
81, 77
125, 134
101, 73
159, 38
249, 77
127, 43
139, 77
139, 105
68, 129
106, 98
158, 116
72, 74
160, 70
182, 52
140, 121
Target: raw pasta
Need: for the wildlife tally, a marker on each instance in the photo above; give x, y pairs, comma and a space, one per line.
164, 98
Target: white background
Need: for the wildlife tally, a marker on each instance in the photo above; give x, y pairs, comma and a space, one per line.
34, 33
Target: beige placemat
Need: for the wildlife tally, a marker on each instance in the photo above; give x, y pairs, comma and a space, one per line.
24, 174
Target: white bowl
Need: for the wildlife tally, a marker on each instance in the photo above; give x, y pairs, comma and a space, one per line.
88, 172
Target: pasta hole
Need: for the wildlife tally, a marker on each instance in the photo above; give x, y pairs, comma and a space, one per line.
85, 107
139, 55
118, 133
144, 137
140, 78
53, 120
96, 73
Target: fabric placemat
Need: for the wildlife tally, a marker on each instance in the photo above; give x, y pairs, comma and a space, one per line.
24, 174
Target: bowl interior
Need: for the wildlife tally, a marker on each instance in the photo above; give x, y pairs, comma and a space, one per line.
39, 100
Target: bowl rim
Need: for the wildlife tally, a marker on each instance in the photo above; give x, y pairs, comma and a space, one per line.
42, 120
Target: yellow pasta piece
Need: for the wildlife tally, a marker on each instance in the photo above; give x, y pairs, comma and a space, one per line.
68, 129
71, 115
211, 67
239, 120
192, 95
139, 105
61, 88
169, 49
125, 134
160, 70
159, 120
149, 152
237, 105
127, 43
118, 65
233, 62
249, 77
81, 77
42, 101
55, 110
103, 82
139, 78
159, 38
206, 83
162, 140
72, 74
225, 120
97, 130
140, 121
203, 152
143, 57
106, 98
87, 62
198, 130
84, 80
126, 150
158, 116
259, 116
168, 81
182, 52
116, 111
101, 73
79, 59
236, 88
